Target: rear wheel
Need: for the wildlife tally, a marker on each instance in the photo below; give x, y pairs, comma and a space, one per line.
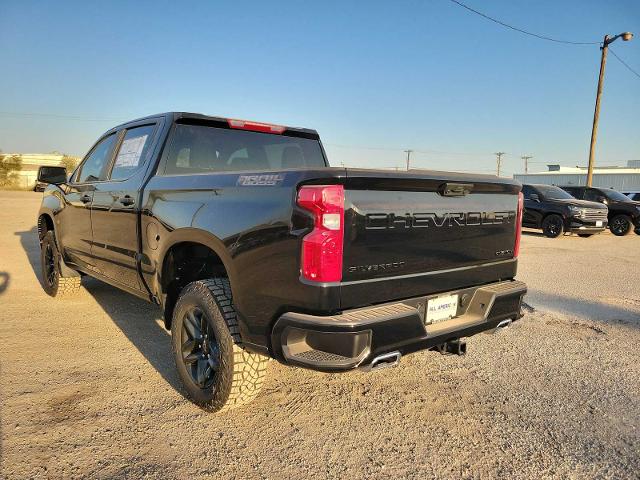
216, 371
621, 225
553, 226
53, 282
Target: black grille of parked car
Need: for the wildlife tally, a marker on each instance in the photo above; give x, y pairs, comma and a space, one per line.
594, 214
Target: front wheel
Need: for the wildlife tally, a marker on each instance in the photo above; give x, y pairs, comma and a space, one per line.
553, 226
216, 371
621, 225
53, 282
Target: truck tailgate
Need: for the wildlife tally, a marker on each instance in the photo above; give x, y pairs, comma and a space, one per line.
418, 233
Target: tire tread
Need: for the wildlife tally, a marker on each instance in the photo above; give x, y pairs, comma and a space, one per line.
248, 371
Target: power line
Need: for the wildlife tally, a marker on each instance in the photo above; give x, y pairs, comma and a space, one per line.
55, 115
399, 149
541, 37
624, 63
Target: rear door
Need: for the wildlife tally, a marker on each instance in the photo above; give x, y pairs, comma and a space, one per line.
115, 207
74, 220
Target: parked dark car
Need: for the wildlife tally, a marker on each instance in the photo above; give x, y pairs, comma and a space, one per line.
555, 212
255, 249
624, 213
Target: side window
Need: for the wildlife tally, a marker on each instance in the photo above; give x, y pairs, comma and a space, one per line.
527, 191
93, 166
592, 195
132, 152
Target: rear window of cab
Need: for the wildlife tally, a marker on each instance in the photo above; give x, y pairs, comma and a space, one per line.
203, 149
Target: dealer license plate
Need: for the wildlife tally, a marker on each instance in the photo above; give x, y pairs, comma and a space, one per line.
440, 309
598, 223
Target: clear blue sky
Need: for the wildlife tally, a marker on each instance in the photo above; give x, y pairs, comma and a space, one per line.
387, 76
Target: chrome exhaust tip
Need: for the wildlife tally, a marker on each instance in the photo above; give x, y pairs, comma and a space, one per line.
386, 360
501, 326
504, 323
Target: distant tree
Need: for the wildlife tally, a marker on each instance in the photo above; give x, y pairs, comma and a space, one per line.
10, 165
69, 162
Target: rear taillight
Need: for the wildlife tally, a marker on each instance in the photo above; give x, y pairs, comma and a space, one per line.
256, 126
322, 248
516, 248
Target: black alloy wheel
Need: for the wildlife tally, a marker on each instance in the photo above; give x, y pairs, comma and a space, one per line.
200, 349
620, 225
49, 266
553, 226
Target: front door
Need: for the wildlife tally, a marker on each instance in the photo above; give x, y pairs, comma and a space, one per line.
115, 209
73, 221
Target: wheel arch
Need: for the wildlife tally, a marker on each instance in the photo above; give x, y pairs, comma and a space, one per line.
45, 224
189, 254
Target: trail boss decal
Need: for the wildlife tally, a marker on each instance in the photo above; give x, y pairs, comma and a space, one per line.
268, 180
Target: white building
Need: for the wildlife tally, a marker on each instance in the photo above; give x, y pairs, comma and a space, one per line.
30, 164
624, 179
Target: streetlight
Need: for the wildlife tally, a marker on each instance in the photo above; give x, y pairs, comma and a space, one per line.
626, 36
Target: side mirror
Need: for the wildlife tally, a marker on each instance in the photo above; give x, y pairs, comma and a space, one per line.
52, 175
535, 197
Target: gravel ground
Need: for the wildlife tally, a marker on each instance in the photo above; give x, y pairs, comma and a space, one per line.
88, 388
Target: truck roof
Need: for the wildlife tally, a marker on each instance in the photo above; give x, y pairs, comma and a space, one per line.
189, 117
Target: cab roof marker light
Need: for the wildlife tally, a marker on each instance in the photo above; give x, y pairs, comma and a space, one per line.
255, 126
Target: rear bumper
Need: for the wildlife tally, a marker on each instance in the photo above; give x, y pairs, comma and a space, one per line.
355, 337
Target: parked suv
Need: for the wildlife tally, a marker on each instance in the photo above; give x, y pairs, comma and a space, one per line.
255, 249
624, 213
555, 211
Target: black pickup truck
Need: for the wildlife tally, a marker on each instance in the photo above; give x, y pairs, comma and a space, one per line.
255, 249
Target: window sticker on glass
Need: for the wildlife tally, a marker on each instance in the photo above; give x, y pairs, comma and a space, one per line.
130, 152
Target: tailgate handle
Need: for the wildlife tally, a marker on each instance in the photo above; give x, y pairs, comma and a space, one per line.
455, 189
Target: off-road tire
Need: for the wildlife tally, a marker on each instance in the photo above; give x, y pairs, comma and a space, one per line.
621, 225
53, 281
553, 226
240, 373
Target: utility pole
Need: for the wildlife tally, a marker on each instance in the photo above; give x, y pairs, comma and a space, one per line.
626, 36
499, 159
526, 159
408, 152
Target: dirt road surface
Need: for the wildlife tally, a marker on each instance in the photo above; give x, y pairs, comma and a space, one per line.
88, 388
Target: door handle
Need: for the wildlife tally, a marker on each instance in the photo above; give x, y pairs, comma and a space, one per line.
126, 200
85, 198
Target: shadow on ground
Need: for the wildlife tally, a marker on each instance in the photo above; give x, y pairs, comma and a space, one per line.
590, 309
136, 318
4, 281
